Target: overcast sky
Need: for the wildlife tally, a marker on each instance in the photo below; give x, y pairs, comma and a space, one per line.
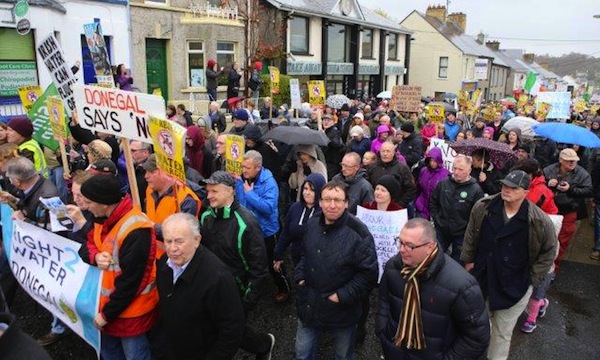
553, 27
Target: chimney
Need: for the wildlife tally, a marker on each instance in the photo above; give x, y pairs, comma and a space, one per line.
529, 57
481, 38
494, 45
437, 11
459, 19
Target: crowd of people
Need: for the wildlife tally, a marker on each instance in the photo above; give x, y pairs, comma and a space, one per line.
182, 272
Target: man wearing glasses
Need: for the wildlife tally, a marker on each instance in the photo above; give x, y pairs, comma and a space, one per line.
338, 268
429, 306
354, 176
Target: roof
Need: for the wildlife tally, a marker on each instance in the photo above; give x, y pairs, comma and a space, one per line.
51, 4
515, 65
328, 9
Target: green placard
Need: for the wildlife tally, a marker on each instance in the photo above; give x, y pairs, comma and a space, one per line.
42, 131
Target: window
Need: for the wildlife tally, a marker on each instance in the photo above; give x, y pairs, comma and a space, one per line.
367, 44
393, 47
225, 54
443, 68
338, 39
299, 35
196, 63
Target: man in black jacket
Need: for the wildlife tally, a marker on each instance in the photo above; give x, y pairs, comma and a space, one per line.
411, 146
337, 269
450, 323
200, 310
335, 148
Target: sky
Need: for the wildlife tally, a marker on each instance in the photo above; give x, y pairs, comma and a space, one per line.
552, 27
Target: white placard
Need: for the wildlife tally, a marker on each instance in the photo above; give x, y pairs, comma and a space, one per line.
448, 153
295, 94
481, 69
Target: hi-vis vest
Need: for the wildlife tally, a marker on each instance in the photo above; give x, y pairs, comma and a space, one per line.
168, 205
144, 302
39, 161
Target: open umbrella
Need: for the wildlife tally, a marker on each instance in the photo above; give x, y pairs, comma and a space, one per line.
450, 96
295, 135
336, 101
567, 134
498, 153
447, 106
426, 99
234, 100
522, 123
385, 95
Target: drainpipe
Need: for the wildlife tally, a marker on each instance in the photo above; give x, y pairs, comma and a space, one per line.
407, 58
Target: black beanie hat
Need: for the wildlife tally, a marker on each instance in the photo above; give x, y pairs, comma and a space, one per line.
391, 183
408, 127
103, 189
252, 133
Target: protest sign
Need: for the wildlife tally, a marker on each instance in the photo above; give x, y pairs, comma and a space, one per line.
316, 92
384, 226
56, 114
42, 131
234, 154
436, 113
406, 98
169, 145
97, 46
52, 55
49, 269
560, 101
29, 95
117, 112
295, 94
448, 153
580, 105
274, 75
543, 109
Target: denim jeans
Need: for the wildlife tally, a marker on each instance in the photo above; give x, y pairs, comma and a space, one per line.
597, 227
57, 177
125, 348
445, 240
307, 340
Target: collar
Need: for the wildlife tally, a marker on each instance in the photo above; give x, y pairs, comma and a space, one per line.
339, 222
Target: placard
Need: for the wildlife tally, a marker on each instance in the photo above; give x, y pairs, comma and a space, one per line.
406, 98
56, 114
295, 94
29, 95
316, 92
448, 153
234, 154
560, 101
274, 75
98, 51
117, 112
169, 145
42, 130
436, 113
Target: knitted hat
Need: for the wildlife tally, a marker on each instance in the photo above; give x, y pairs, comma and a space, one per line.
489, 129
22, 126
211, 63
102, 189
408, 127
258, 66
356, 131
359, 116
392, 185
252, 133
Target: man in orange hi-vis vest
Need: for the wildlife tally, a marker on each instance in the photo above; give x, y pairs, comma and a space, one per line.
123, 245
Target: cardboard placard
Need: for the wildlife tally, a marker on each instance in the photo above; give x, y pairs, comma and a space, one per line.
406, 98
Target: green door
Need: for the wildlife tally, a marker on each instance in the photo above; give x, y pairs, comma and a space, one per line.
156, 67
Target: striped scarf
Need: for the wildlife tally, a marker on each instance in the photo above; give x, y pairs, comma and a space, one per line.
410, 327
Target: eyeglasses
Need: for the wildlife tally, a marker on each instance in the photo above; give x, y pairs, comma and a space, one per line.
346, 166
334, 200
407, 246
136, 150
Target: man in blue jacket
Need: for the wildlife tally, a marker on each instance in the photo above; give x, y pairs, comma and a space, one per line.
337, 269
257, 191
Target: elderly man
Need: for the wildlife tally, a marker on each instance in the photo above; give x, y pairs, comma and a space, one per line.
217, 119
571, 185
232, 233
451, 203
452, 324
240, 122
200, 309
337, 270
123, 246
509, 246
387, 164
354, 176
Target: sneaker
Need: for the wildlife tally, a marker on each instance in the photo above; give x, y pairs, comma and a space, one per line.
528, 327
595, 255
281, 297
543, 308
51, 337
268, 355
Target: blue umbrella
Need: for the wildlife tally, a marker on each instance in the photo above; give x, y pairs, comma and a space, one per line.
450, 96
567, 134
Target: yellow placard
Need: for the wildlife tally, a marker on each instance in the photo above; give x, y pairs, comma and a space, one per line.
594, 109
168, 138
29, 95
274, 74
316, 92
157, 91
543, 110
580, 106
234, 154
523, 99
436, 113
489, 113
463, 96
56, 115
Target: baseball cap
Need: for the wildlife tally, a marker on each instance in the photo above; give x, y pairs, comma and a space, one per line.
517, 178
569, 154
104, 166
240, 114
220, 177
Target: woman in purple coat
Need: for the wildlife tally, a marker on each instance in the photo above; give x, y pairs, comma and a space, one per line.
430, 176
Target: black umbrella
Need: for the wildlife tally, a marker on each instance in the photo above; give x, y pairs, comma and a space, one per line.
295, 135
447, 107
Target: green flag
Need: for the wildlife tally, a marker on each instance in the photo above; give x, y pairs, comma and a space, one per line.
42, 131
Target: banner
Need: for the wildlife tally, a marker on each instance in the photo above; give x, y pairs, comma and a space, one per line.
16, 74
49, 269
29, 95
448, 153
117, 112
436, 113
560, 101
316, 92
274, 74
168, 138
52, 55
406, 98
384, 226
295, 94
234, 154
95, 42
56, 112
42, 130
